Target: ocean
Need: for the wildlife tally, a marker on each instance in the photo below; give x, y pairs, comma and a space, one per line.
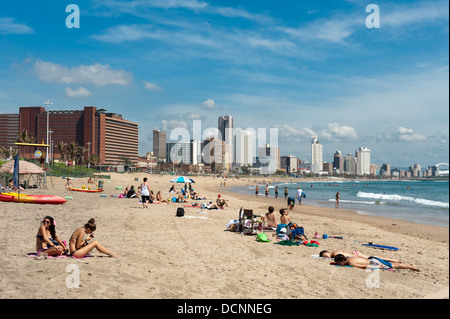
419, 201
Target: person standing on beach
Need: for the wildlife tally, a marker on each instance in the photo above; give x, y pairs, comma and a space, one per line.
299, 195
285, 193
336, 205
145, 193
256, 190
276, 191
267, 190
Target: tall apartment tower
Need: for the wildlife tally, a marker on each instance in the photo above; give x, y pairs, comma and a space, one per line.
316, 155
159, 145
338, 162
225, 126
362, 155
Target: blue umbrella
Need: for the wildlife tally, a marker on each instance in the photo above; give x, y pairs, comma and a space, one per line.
182, 179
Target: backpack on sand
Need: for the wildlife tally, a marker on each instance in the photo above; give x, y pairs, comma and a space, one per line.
180, 212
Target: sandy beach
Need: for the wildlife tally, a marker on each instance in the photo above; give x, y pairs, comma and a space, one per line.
194, 257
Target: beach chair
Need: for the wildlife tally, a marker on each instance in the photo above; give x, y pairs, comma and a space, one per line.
246, 223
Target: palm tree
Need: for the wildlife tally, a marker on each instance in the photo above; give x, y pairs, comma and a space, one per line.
80, 154
72, 151
62, 148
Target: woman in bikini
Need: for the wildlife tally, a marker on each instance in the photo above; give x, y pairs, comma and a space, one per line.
160, 199
80, 247
46, 239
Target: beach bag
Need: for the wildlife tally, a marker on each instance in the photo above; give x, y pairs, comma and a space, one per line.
180, 212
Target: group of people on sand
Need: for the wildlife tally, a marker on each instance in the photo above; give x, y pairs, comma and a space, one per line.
148, 196
48, 242
341, 258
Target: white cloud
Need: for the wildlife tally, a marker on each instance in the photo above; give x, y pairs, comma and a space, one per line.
8, 26
151, 86
208, 104
77, 93
96, 74
408, 135
172, 124
339, 132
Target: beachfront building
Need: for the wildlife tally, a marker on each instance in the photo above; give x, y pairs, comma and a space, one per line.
243, 148
350, 164
316, 155
9, 124
214, 153
159, 145
362, 155
107, 135
184, 152
225, 127
289, 163
268, 159
385, 170
338, 162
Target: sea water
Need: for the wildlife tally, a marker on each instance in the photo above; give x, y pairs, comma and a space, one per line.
420, 201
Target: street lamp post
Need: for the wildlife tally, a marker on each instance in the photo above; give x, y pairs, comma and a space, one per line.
48, 106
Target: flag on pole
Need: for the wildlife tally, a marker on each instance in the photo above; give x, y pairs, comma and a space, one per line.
16, 172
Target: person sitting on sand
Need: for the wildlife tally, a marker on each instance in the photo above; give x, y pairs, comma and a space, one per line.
284, 219
90, 180
131, 193
371, 262
80, 247
332, 254
220, 202
172, 189
181, 199
160, 199
271, 218
46, 239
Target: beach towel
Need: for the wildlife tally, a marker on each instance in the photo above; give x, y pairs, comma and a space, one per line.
36, 256
288, 243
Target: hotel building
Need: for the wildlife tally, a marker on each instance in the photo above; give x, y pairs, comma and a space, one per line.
107, 135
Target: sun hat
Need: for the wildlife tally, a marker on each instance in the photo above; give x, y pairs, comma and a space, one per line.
262, 237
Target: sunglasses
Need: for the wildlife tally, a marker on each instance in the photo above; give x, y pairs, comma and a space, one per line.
46, 222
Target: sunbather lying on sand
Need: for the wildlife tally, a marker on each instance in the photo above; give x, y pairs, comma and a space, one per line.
332, 254
371, 262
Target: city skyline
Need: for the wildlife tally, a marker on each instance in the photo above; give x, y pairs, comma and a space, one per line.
307, 68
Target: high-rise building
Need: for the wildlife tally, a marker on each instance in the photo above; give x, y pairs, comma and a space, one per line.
289, 163
243, 148
214, 154
316, 155
338, 162
225, 126
107, 135
9, 126
350, 164
362, 155
269, 159
159, 145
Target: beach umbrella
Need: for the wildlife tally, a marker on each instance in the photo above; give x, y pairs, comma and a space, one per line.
24, 168
182, 179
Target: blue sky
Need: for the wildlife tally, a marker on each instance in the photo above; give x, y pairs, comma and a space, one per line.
305, 67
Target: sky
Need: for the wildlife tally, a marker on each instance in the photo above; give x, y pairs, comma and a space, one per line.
352, 74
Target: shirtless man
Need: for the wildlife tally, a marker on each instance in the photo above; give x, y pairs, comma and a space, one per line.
271, 219
371, 262
332, 254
